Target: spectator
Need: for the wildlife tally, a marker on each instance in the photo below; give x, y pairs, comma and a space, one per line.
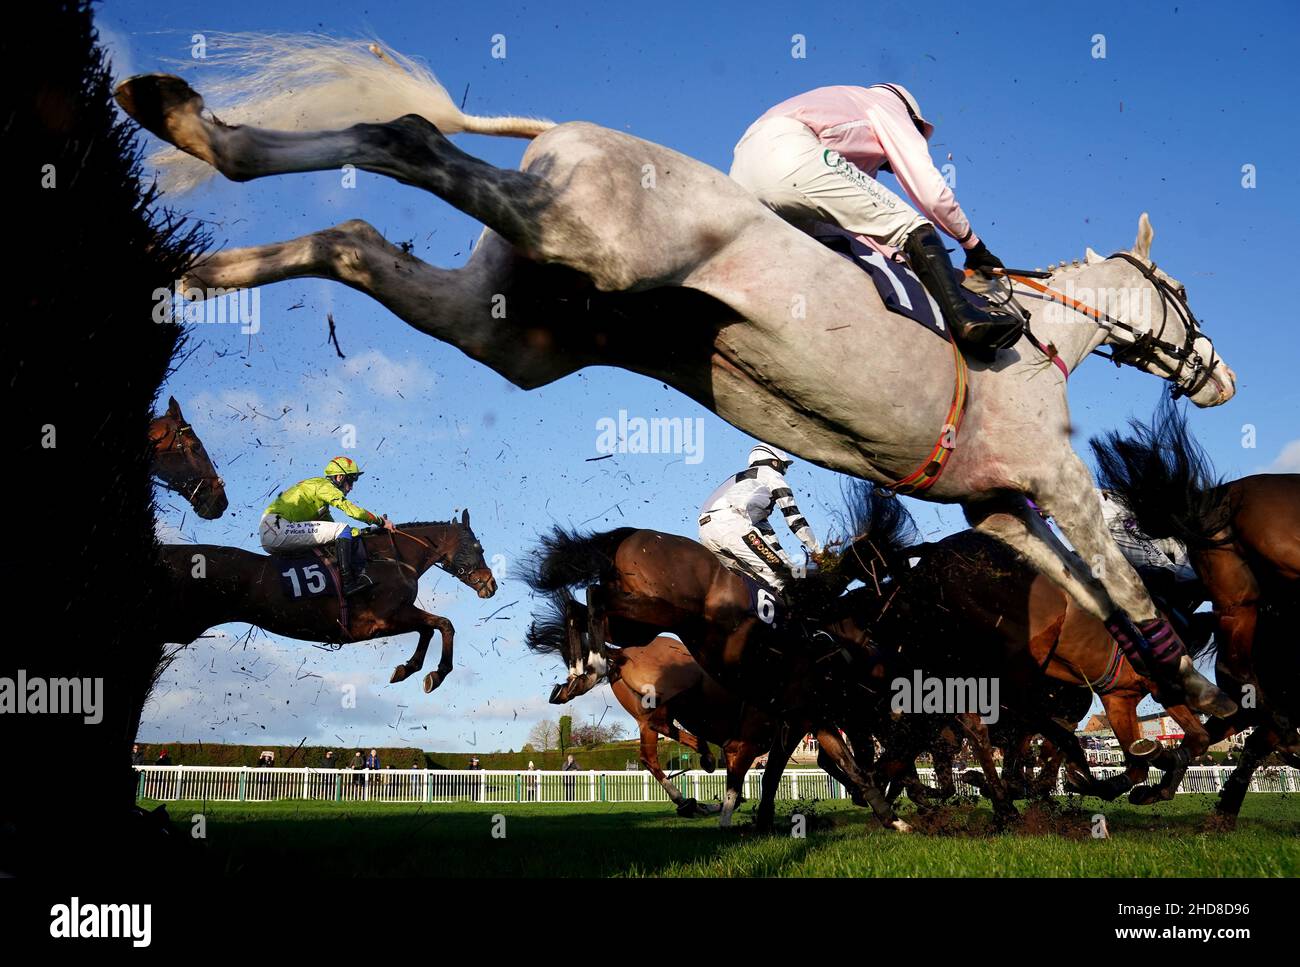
570, 782
372, 760
473, 762
530, 782
357, 765
327, 782
137, 756
164, 759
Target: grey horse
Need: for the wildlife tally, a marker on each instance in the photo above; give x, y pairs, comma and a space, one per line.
605, 249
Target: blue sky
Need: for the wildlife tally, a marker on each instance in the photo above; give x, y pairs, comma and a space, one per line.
1054, 149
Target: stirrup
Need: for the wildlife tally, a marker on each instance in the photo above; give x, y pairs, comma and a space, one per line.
358, 583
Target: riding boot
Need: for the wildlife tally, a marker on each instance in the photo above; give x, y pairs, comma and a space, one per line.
352, 581
978, 331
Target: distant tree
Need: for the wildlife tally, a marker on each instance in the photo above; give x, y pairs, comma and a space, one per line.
589, 735
544, 735
566, 729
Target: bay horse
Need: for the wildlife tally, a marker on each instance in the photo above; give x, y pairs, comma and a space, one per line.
610, 250
210, 585
972, 607
1243, 540
668, 693
643, 583
181, 463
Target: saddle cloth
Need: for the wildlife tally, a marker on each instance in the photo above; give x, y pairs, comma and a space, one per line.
315, 573
900, 290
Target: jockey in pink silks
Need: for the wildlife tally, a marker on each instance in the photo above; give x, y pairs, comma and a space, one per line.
813, 159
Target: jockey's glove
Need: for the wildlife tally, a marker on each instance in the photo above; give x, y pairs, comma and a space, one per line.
980, 257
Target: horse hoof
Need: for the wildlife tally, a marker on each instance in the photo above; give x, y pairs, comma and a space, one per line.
1143, 795
1077, 782
399, 675
688, 809
432, 681
899, 826
973, 777
708, 763
160, 103
1145, 749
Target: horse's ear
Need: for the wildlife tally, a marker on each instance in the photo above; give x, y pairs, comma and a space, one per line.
1142, 247
464, 518
1092, 257
173, 408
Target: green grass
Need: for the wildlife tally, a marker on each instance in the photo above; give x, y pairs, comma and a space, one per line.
593, 839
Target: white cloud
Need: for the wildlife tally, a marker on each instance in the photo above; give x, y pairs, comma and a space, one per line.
118, 48
1288, 461
388, 377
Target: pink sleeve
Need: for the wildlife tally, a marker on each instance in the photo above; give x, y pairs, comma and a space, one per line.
909, 157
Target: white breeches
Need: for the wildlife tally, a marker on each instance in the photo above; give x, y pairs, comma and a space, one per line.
781, 161
279, 534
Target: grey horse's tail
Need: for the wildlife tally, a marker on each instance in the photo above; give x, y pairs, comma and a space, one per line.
312, 82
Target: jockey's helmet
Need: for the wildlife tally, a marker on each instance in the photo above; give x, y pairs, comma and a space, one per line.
767, 454
913, 108
342, 467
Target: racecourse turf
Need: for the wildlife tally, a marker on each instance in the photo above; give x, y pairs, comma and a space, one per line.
1178, 838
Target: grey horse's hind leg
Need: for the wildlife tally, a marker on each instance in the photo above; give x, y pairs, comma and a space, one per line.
454, 305
410, 149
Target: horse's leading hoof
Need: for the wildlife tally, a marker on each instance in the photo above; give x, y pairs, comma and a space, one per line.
399, 675
151, 99
1145, 749
432, 681
708, 763
557, 695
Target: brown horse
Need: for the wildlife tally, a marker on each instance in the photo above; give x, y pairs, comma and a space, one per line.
643, 583
1243, 537
973, 608
210, 585
667, 692
183, 466
1243, 540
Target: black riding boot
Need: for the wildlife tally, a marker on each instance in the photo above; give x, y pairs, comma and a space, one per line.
352, 581
980, 332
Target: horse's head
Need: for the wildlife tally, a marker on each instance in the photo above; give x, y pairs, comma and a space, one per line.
463, 557
1165, 337
183, 465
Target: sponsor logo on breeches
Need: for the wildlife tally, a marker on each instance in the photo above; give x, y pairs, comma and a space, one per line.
757, 545
851, 172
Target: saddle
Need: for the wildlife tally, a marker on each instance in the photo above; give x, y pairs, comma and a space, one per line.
314, 573
899, 288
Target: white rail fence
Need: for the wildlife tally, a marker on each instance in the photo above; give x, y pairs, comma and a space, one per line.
245, 784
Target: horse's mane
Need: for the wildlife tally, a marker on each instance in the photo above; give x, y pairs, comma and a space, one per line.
547, 633
1165, 479
878, 519
428, 523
